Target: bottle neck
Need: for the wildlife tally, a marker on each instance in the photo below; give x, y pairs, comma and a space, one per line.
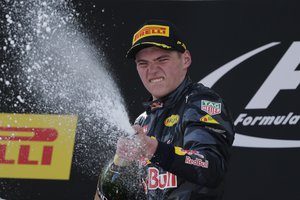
120, 162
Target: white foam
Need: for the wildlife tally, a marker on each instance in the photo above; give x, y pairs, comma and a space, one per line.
65, 74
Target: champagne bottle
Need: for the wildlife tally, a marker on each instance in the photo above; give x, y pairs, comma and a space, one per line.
118, 181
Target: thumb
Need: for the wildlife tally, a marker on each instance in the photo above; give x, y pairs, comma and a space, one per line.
139, 130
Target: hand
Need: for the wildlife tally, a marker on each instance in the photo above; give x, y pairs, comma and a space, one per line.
138, 147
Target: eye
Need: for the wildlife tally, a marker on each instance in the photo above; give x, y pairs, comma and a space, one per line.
141, 64
163, 60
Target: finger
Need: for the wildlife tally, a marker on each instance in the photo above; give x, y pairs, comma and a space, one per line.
125, 146
138, 129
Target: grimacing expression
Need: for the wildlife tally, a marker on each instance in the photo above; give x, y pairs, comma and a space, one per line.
161, 71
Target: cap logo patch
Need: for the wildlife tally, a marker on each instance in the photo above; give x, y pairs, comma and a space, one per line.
211, 108
151, 30
182, 44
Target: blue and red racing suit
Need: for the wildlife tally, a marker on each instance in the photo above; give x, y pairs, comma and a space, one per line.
194, 131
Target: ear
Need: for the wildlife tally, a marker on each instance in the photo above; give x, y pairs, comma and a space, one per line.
187, 59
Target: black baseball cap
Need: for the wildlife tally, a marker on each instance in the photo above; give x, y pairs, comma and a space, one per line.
160, 33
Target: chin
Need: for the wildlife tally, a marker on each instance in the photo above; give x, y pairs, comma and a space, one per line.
159, 95
158, 92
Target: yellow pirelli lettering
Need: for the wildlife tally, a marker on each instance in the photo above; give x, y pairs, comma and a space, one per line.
36, 146
151, 30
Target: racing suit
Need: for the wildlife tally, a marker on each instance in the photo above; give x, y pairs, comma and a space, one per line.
194, 131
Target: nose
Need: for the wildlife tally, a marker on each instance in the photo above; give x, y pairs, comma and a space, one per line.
152, 67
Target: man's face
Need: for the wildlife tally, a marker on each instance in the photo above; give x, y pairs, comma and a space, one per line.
161, 71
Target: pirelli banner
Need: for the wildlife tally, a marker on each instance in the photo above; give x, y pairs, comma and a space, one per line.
36, 146
60, 113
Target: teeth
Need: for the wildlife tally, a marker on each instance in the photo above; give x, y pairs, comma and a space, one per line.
156, 80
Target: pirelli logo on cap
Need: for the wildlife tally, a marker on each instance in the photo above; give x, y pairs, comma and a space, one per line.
36, 146
151, 30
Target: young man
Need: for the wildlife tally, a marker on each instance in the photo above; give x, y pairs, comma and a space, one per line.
186, 131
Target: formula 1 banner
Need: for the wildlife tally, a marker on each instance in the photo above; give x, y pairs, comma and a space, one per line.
67, 58
261, 121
